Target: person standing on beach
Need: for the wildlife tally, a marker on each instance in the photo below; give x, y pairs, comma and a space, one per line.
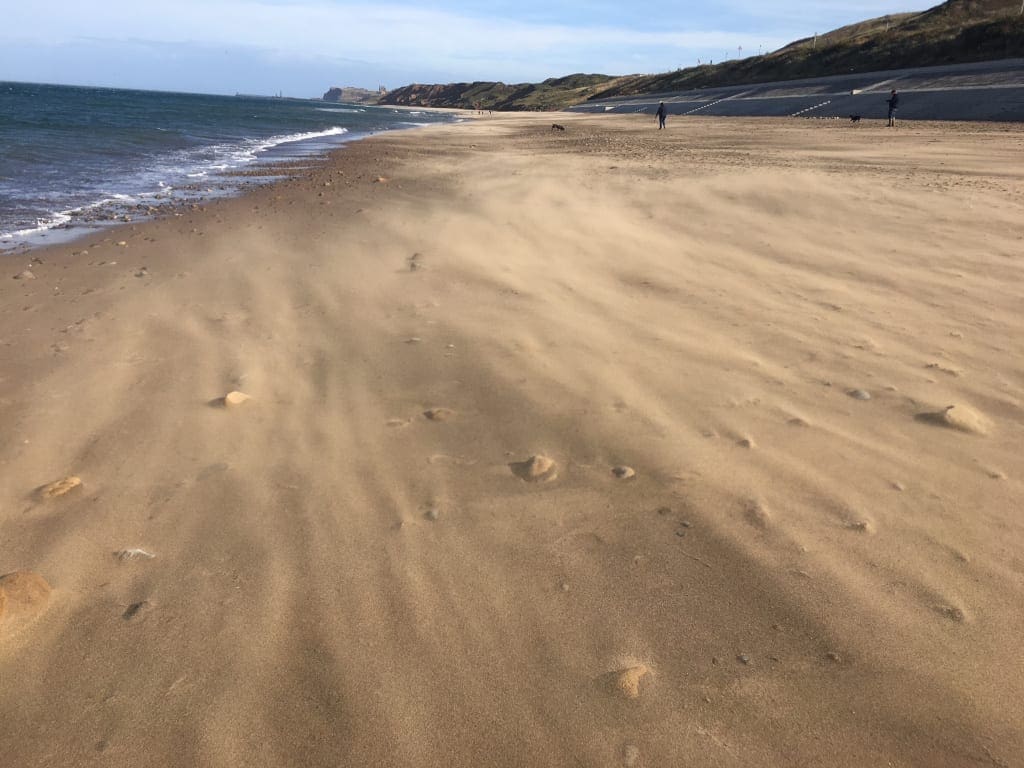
894, 102
661, 115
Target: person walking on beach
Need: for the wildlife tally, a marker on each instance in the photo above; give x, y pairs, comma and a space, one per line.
661, 115
894, 102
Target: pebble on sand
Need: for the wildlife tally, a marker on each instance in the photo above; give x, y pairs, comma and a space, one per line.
60, 487
536, 469
859, 394
623, 472
22, 593
627, 681
235, 398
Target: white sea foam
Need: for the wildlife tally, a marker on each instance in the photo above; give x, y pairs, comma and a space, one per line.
340, 109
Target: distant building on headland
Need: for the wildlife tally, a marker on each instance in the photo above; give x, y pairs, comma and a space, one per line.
351, 95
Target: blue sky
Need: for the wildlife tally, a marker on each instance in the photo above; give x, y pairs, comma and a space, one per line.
302, 47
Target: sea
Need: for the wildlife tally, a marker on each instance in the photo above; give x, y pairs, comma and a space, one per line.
75, 158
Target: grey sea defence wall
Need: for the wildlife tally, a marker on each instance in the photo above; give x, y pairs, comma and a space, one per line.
992, 90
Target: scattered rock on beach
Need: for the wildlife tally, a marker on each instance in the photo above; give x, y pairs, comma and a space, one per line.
438, 414
60, 487
859, 394
235, 398
536, 469
623, 472
958, 417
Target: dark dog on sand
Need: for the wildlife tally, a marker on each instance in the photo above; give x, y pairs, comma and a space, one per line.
854, 118
557, 127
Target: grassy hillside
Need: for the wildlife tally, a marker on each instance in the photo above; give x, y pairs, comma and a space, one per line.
552, 94
957, 31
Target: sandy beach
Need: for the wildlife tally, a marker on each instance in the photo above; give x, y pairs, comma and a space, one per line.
603, 447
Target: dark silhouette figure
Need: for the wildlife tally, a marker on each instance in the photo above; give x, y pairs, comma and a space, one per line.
661, 115
894, 103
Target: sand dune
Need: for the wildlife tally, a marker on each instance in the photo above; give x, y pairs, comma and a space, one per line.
606, 447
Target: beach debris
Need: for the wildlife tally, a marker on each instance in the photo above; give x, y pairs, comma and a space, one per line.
236, 398
413, 340
60, 487
134, 554
746, 442
381, 180
743, 659
859, 394
25, 275
622, 472
22, 593
536, 469
438, 414
627, 681
432, 514
122, 243
834, 657
142, 272
563, 586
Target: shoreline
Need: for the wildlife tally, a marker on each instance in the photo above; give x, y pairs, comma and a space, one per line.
597, 447
72, 224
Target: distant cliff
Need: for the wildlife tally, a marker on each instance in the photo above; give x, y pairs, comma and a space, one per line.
352, 95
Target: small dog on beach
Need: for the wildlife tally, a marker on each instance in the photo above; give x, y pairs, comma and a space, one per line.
557, 127
854, 118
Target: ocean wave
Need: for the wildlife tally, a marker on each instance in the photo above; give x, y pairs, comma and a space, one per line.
340, 109
42, 225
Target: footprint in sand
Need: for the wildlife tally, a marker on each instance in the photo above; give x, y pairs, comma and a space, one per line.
23, 596
958, 417
536, 469
60, 487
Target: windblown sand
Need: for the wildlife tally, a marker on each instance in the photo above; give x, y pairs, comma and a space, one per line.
353, 457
